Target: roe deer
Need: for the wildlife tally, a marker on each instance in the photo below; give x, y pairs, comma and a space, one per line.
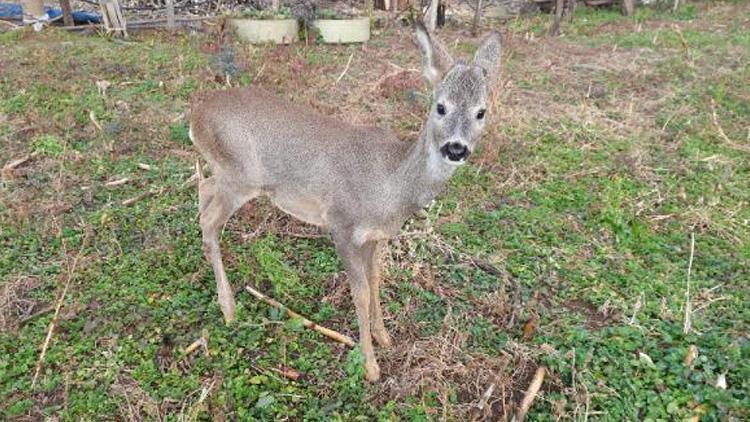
359, 183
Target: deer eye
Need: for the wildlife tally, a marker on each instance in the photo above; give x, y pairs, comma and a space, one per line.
480, 115
441, 109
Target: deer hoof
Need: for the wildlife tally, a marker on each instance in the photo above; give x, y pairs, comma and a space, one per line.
229, 315
372, 372
382, 337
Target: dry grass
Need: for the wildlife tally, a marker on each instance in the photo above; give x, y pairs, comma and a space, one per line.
16, 304
580, 96
440, 364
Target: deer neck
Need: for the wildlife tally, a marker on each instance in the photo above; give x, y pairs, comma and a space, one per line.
423, 173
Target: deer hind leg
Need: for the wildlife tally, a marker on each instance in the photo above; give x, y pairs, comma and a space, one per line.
353, 258
372, 251
217, 203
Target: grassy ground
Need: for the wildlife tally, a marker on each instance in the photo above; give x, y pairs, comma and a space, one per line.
610, 149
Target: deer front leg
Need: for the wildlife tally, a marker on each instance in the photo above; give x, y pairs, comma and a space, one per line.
353, 257
373, 265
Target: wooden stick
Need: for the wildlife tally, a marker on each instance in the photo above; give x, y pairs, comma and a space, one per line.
133, 200
19, 161
201, 342
51, 329
688, 323
341, 338
349, 62
176, 19
531, 393
36, 314
117, 182
722, 134
10, 24
486, 397
289, 373
93, 119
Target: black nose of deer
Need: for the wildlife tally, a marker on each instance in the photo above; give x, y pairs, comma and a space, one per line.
455, 151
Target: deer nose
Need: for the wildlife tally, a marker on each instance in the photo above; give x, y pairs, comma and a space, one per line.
456, 151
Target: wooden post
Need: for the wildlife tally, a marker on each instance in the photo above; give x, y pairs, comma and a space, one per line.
477, 15
369, 7
32, 10
112, 17
67, 12
628, 6
170, 15
555, 29
432, 15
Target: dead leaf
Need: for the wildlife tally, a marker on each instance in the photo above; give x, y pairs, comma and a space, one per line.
692, 353
530, 327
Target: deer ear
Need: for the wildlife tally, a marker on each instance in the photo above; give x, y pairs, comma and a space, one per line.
487, 56
435, 58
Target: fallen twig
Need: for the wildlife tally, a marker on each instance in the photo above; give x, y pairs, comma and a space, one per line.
117, 182
144, 166
289, 373
201, 342
688, 323
93, 119
708, 302
36, 315
131, 201
7, 171
531, 393
10, 24
346, 69
51, 329
190, 181
486, 397
722, 134
19, 161
341, 338
637, 308
685, 47
260, 72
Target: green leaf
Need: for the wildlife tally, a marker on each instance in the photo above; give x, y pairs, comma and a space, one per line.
265, 400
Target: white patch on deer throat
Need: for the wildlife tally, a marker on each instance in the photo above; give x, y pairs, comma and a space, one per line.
436, 165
